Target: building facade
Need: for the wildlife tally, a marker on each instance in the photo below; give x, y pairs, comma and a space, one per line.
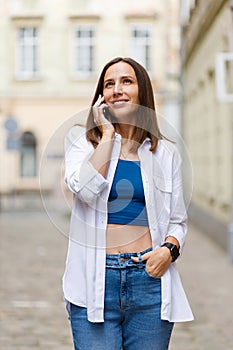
51, 55
207, 35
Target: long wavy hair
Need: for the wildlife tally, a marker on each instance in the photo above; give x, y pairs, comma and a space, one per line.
146, 124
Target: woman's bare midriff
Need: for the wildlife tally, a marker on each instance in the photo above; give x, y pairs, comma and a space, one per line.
127, 238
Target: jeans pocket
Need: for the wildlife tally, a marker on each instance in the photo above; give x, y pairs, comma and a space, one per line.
150, 276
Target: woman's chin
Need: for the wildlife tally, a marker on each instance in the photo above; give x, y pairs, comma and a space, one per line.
124, 114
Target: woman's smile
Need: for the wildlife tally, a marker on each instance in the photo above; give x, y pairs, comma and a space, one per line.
119, 103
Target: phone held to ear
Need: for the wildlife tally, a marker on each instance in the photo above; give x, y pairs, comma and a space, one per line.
107, 114
100, 102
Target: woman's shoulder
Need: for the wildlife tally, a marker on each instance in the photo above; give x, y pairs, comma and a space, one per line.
76, 133
167, 147
168, 155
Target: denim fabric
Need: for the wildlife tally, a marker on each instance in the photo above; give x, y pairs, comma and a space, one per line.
131, 311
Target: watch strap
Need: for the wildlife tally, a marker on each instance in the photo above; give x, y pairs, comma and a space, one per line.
173, 250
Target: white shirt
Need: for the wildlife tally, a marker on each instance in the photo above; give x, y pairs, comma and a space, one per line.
84, 277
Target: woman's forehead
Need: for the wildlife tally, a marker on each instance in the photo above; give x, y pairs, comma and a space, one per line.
119, 69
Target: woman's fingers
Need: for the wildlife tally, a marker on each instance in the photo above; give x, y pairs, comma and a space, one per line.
99, 101
98, 108
157, 261
144, 257
99, 118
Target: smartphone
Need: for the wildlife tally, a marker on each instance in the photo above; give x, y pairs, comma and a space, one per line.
107, 114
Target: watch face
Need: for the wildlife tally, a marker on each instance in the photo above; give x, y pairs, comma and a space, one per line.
173, 250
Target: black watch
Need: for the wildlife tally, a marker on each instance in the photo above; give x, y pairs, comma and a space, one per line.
173, 250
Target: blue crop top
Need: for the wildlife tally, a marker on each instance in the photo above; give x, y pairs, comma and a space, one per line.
126, 202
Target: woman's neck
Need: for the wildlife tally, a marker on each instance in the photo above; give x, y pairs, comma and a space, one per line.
126, 131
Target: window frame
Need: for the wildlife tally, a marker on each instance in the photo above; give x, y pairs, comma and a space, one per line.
78, 72
135, 44
222, 59
28, 53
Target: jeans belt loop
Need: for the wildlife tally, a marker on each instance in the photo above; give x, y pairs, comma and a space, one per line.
139, 257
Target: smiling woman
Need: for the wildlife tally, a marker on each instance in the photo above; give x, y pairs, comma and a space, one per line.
138, 80
128, 222
121, 92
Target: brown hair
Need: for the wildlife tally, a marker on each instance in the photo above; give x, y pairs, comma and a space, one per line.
148, 124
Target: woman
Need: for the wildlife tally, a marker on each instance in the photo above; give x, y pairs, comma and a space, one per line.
128, 222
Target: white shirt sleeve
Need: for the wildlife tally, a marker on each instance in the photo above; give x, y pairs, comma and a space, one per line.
80, 175
178, 216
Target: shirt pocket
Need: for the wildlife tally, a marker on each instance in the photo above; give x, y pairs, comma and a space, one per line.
163, 195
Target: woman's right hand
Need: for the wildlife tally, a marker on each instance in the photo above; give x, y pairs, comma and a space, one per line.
104, 125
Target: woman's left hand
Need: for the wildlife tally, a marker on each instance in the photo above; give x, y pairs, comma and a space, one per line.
157, 261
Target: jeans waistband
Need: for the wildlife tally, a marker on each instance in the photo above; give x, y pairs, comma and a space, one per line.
122, 260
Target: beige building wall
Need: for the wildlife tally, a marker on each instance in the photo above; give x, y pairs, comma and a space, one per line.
42, 103
207, 120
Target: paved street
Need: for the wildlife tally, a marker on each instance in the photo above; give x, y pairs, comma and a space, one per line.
32, 256
207, 276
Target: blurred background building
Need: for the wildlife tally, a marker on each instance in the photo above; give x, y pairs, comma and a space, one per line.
51, 55
207, 62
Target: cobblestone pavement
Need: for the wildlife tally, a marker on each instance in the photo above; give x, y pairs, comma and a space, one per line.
33, 316
207, 276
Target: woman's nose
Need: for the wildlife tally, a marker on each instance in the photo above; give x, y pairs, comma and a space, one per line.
118, 88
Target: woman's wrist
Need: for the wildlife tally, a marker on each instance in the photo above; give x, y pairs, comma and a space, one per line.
172, 244
173, 240
108, 135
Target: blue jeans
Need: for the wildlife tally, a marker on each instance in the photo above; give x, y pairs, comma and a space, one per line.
131, 311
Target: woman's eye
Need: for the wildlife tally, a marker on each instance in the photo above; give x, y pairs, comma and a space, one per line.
108, 84
127, 81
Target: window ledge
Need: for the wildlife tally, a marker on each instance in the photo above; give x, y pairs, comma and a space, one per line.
83, 77
21, 78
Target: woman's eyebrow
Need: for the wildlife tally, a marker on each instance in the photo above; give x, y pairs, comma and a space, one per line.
122, 76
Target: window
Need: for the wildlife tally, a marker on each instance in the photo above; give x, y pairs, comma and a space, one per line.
224, 65
141, 44
27, 59
28, 155
84, 50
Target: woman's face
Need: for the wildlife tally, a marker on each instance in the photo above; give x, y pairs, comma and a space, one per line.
121, 90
